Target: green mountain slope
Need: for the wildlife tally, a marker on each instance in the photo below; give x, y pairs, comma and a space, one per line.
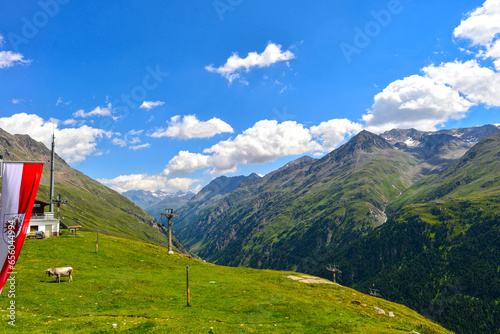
304, 209
91, 204
440, 251
135, 287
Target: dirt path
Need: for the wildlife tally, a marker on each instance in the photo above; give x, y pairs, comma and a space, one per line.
310, 279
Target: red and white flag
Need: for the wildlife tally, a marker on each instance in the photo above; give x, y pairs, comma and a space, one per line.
19, 188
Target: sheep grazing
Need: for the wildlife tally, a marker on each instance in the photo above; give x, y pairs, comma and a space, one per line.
58, 272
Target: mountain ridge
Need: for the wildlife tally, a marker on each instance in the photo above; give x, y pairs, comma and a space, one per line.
248, 214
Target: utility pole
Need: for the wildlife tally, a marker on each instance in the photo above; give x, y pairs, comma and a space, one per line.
169, 215
374, 292
335, 270
187, 282
52, 168
58, 201
97, 242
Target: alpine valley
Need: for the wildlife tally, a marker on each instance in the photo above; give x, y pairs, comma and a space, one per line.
412, 214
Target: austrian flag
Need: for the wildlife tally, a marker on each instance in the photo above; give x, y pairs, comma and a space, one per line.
19, 188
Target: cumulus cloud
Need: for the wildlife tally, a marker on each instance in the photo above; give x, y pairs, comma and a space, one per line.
482, 25
266, 141
415, 102
234, 65
448, 90
146, 182
334, 132
186, 162
72, 144
98, 111
478, 84
482, 28
148, 105
181, 183
190, 127
9, 59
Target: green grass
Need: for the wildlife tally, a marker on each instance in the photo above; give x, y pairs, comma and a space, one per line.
142, 289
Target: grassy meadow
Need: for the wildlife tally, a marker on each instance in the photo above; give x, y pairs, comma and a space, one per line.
136, 287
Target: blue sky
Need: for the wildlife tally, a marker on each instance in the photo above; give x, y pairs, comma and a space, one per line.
166, 95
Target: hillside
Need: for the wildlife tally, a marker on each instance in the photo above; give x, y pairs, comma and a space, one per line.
282, 220
147, 294
439, 253
209, 196
91, 204
309, 208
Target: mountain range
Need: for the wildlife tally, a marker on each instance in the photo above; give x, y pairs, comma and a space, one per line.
407, 210
155, 203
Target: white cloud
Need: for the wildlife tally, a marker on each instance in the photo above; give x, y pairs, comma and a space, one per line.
135, 140
448, 90
148, 105
135, 132
9, 59
17, 101
60, 101
124, 183
334, 132
478, 84
181, 183
138, 147
147, 182
120, 142
482, 24
271, 55
190, 127
2, 40
98, 111
70, 122
266, 141
75, 144
482, 27
415, 102
186, 162
130, 142
72, 144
